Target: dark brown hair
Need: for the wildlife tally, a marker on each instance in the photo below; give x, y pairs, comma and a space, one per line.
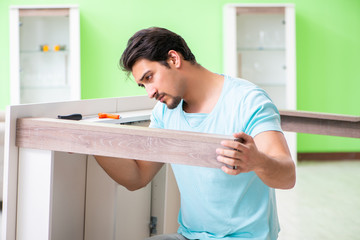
154, 44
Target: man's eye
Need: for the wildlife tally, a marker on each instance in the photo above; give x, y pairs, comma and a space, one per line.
148, 77
141, 85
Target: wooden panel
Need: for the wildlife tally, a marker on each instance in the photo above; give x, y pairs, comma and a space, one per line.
158, 144
133, 209
68, 196
165, 201
260, 10
328, 156
158, 197
132, 142
34, 194
318, 115
100, 203
48, 12
113, 212
172, 202
321, 123
51, 197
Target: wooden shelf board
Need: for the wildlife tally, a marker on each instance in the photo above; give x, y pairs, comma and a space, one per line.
114, 140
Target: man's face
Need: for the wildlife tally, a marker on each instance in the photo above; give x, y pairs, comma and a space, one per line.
159, 81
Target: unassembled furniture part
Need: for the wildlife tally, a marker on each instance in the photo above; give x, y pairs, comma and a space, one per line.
51, 194
58, 195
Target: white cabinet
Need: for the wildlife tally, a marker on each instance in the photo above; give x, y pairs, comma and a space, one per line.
44, 53
57, 195
259, 46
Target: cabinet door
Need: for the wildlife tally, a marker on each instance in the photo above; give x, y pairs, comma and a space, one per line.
165, 201
44, 54
260, 49
113, 212
51, 195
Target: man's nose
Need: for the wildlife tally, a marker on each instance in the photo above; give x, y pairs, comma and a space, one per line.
151, 91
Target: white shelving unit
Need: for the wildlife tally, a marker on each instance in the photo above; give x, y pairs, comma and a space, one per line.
44, 53
259, 46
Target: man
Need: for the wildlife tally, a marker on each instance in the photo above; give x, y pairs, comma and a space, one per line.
238, 200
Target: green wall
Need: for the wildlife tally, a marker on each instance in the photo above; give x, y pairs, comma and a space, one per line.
327, 40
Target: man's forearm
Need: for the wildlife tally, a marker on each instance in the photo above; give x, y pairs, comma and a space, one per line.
277, 172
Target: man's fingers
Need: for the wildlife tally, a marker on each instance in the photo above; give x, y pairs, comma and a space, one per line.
231, 153
228, 161
233, 145
230, 171
243, 136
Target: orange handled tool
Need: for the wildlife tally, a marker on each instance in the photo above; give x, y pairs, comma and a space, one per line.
108, 115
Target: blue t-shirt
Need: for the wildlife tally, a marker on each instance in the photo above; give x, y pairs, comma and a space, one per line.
215, 205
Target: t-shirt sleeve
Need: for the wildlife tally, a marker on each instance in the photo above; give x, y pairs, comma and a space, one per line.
156, 118
260, 114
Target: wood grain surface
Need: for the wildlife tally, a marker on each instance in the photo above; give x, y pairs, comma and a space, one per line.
321, 123
159, 145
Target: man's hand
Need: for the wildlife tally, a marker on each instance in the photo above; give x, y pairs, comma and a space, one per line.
267, 154
239, 156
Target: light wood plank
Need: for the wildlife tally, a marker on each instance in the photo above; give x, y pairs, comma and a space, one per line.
321, 123
158, 145
319, 115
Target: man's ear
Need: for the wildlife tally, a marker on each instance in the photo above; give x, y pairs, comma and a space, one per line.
174, 58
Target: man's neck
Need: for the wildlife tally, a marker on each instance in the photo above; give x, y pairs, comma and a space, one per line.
203, 90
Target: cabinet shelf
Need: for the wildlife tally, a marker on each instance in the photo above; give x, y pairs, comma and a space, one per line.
62, 52
260, 49
44, 87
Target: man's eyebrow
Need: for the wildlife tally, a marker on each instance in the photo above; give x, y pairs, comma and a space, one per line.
143, 76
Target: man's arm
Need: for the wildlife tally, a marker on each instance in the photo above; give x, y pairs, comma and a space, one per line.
266, 154
132, 174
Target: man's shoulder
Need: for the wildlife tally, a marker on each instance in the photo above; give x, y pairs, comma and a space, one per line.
241, 89
235, 82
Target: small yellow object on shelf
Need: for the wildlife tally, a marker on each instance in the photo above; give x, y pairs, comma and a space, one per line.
57, 48
45, 48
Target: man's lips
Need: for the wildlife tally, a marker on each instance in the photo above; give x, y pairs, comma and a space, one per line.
160, 97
